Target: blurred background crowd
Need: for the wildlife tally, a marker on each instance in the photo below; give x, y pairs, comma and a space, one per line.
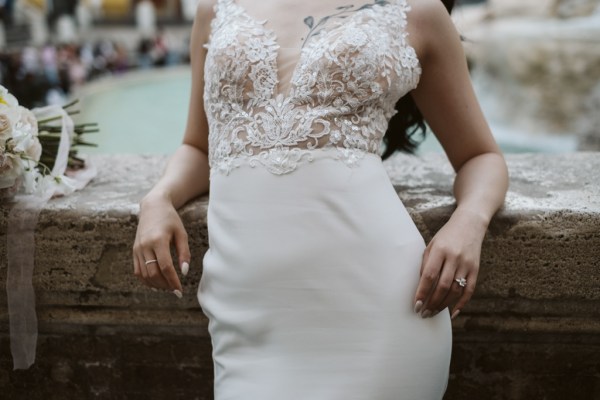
48, 74
50, 48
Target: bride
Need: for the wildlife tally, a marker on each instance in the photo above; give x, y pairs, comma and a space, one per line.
316, 283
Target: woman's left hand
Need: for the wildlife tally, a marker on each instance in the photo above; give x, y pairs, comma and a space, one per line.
453, 253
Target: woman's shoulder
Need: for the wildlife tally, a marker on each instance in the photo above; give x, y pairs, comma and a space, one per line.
427, 11
205, 10
429, 23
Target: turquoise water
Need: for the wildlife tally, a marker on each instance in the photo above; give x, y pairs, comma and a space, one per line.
146, 112
141, 114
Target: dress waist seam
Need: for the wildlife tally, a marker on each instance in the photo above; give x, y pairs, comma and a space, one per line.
284, 160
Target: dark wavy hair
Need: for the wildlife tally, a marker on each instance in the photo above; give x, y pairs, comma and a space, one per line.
408, 122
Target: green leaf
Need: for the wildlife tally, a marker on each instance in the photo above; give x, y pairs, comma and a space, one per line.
87, 144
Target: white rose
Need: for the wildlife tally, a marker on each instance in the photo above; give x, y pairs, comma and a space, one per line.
8, 121
7, 99
28, 119
11, 168
5, 128
25, 132
34, 150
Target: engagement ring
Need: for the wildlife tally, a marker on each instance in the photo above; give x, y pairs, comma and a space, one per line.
461, 281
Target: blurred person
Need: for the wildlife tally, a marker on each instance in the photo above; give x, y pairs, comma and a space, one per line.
50, 63
30, 60
121, 59
160, 48
6, 12
144, 56
66, 54
77, 74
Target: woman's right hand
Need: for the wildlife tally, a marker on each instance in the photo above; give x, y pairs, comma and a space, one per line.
186, 176
159, 227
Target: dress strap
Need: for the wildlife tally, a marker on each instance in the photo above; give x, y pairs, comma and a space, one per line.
219, 5
218, 9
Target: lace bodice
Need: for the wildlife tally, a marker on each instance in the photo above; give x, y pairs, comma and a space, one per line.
351, 70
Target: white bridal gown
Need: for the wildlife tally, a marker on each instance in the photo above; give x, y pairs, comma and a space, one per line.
313, 261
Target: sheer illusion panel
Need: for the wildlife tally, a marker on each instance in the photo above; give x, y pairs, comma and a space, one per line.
269, 103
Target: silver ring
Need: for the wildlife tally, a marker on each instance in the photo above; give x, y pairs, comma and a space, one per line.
151, 261
461, 281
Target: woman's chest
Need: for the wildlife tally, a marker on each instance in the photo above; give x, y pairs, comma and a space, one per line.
360, 50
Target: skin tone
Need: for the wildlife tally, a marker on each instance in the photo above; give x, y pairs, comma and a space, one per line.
445, 97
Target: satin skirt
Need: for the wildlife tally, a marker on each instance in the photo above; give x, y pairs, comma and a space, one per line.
308, 285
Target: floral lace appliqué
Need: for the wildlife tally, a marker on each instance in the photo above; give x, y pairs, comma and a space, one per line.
342, 92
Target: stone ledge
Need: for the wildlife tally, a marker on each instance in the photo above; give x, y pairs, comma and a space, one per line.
537, 291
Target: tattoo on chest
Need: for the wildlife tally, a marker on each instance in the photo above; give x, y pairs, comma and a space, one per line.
341, 12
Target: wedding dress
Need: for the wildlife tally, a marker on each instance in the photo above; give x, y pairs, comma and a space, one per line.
313, 261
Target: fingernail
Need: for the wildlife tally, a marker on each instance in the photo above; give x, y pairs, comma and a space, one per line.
154, 289
418, 306
426, 314
455, 313
178, 293
185, 267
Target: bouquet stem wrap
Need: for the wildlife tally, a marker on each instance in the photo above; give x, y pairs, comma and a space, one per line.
22, 221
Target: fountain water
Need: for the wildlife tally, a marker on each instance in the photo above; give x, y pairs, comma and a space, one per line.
536, 68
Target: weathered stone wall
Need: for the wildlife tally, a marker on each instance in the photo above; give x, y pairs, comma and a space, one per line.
542, 8
532, 331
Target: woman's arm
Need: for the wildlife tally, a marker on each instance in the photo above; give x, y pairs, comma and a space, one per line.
446, 98
185, 177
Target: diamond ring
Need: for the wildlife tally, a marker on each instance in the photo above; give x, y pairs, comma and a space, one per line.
151, 261
461, 281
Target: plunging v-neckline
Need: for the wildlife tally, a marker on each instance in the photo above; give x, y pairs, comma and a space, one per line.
269, 32
275, 64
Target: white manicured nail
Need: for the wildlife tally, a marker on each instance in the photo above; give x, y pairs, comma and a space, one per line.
418, 306
426, 314
185, 267
177, 293
455, 313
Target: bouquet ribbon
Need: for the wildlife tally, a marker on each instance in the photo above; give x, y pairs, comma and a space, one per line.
22, 221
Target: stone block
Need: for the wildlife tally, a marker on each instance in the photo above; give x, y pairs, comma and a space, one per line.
542, 8
532, 329
535, 8
575, 8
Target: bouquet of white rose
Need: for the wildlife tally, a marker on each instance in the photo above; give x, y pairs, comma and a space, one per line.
20, 148
31, 142
35, 152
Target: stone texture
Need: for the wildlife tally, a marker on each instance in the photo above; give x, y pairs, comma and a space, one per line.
575, 8
130, 367
541, 8
532, 329
537, 75
536, 8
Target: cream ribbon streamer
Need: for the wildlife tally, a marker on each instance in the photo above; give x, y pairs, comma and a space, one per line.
22, 221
